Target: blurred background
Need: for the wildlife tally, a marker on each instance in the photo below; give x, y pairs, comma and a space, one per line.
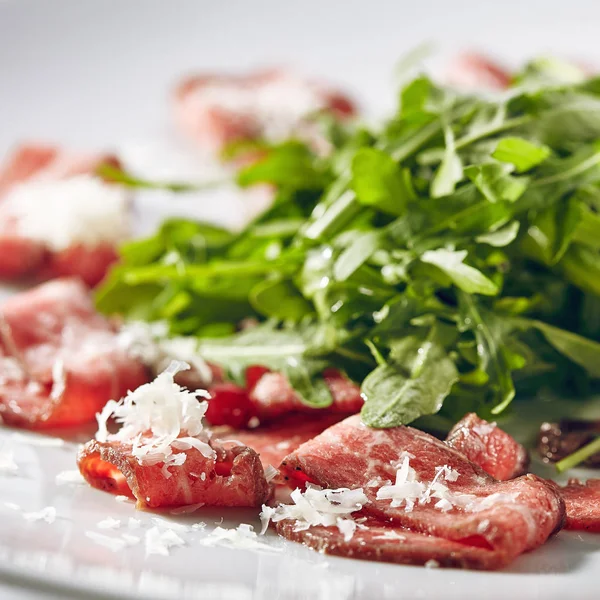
99, 74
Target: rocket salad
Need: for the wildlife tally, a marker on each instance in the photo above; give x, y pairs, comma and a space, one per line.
446, 260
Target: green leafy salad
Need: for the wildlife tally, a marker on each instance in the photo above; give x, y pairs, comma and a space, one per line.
445, 261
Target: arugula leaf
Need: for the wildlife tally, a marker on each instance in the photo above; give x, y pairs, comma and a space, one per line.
378, 182
494, 181
417, 378
521, 153
500, 237
463, 276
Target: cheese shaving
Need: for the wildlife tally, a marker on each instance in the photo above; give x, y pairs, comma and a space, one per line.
317, 506
69, 478
78, 210
47, 514
242, 537
113, 544
121, 498
432, 564
160, 542
270, 473
347, 528
109, 523
156, 419
8, 466
408, 491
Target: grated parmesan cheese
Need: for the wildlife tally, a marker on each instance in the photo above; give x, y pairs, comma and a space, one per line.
317, 506
270, 473
69, 478
243, 537
121, 498
160, 542
432, 564
79, 210
8, 466
167, 411
47, 514
408, 490
347, 528
115, 544
109, 523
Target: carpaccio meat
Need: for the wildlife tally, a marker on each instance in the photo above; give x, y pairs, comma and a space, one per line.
268, 396
380, 541
235, 477
500, 519
582, 502
215, 110
486, 445
60, 361
28, 253
274, 441
476, 71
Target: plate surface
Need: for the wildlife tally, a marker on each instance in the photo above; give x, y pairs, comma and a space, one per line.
95, 75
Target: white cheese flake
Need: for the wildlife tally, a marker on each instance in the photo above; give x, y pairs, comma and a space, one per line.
432, 564
160, 542
109, 523
171, 414
78, 210
316, 506
73, 477
347, 528
47, 514
270, 473
115, 544
121, 498
242, 537
8, 466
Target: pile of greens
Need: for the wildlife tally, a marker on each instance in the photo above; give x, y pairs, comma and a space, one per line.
441, 261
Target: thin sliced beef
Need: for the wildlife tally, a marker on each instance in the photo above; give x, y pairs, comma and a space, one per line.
383, 542
268, 396
582, 502
215, 110
275, 441
234, 478
475, 71
23, 256
272, 395
486, 445
60, 361
505, 519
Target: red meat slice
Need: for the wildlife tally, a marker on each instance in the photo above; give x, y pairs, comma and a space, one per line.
234, 478
275, 441
383, 542
582, 502
518, 515
273, 396
60, 361
215, 110
475, 71
486, 445
23, 257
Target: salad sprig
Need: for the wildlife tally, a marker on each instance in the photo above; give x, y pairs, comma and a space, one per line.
444, 261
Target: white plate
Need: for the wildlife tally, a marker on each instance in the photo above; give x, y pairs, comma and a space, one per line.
97, 75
